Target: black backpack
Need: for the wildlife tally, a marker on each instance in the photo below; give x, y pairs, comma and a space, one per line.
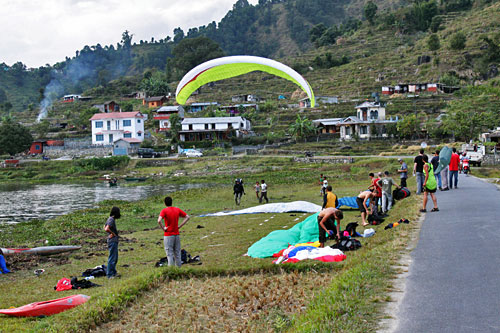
347, 244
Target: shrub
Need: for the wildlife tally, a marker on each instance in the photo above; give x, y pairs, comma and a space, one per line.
102, 163
433, 42
457, 41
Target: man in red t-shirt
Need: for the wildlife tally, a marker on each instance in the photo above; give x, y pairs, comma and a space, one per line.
454, 162
377, 191
171, 239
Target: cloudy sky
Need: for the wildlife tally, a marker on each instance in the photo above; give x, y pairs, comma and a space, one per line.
39, 32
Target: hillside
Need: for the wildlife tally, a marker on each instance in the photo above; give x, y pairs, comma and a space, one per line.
358, 61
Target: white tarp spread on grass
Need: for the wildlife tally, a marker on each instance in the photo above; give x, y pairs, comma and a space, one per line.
280, 207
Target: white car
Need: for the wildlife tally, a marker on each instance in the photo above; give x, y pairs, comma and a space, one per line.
194, 153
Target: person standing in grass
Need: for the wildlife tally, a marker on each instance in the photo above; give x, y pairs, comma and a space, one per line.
430, 185
257, 189
403, 172
171, 238
238, 191
362, 200
328, 221
330, 199
110, 228
386, 185
418, 170
263, 191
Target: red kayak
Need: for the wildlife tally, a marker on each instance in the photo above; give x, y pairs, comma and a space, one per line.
47, 308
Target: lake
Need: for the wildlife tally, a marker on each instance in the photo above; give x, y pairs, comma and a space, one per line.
25, 202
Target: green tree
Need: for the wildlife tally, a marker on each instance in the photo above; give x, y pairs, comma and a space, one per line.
155, 85
175, 126
191, 52
42, 128
302, 128
468, 125
370, 10
457, 41
14, 137
433, 42
407, 127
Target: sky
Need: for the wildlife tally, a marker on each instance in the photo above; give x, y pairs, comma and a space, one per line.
40, 32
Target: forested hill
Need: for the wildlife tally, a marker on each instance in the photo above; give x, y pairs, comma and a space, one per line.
330, 37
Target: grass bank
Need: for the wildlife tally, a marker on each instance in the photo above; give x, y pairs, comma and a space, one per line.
221, 243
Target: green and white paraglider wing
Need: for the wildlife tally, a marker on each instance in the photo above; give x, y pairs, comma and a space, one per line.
444, 158
227, 67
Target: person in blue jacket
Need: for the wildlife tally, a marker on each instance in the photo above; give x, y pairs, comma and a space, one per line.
3, 265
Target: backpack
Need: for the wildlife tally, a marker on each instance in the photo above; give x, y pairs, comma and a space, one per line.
351, 228
347, 244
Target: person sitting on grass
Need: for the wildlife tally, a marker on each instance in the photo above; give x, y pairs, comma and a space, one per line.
110, 228
329, 219
171, 238
3, 264
361, 200
430, 185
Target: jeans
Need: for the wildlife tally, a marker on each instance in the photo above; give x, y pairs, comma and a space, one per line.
453, 174
112, 259
386, 201
172, 245
263, 195
438, 179
403, 182
420, 182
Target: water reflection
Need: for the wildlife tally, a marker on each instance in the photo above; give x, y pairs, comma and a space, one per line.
24, 202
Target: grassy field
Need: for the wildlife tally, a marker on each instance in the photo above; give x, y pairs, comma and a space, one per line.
228, 291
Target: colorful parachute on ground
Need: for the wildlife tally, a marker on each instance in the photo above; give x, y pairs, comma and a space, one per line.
227, 67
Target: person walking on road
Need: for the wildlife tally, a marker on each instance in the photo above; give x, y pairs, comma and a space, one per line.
110, 228
430, 185
171, 238
418, 170
454, 163
403, 172
435, 164
263, 191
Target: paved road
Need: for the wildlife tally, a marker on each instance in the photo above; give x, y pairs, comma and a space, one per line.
454, 279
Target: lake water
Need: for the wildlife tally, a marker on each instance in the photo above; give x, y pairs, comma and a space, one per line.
24, 202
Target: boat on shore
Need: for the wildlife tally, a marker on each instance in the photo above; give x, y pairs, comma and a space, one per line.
42, 250
47, 308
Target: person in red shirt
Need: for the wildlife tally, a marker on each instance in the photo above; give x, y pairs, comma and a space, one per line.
454, 162
171, 239
377, 191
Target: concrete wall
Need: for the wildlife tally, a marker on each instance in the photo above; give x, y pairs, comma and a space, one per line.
56, 152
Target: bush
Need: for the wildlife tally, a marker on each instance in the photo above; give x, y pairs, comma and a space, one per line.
457, 41
433, 42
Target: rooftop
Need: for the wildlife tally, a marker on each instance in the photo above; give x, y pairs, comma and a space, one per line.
117, 115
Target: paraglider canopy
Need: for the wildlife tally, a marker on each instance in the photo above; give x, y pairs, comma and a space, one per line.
227, 67
444, 158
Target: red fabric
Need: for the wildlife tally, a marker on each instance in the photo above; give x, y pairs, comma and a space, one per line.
64, 284
279, 254
338, 258
377, 188
171, 217
454, 161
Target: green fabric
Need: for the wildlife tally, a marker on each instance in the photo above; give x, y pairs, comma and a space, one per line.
431, 180
227, 71
303, 232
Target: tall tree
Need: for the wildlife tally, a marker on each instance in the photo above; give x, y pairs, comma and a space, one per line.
302, 128
14, 137
370, 10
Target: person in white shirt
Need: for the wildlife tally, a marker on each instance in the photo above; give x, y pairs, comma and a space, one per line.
263, 191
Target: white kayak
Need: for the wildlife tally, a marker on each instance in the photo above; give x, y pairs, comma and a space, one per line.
43, 250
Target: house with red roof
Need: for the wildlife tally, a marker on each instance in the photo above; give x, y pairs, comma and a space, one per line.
110, 127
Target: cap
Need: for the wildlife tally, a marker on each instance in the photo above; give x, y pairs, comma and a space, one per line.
400, 159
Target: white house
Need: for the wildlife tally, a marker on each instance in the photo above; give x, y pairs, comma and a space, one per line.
164, 113
220, 128
109, 127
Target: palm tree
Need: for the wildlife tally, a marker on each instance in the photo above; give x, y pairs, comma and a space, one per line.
302, 128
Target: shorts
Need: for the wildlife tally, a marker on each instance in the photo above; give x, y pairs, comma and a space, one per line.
360, 201
330, 225
430, 191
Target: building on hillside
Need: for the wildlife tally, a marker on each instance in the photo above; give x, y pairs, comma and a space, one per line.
107, 107
197, 107
413, 88
492, 136
155, 101
164, 113
213, 128
239, 108
245, 98
328, 126
126, 146
109, 127
71, 98
37, 146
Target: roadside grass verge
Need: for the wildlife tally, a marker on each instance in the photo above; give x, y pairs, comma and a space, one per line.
220, 242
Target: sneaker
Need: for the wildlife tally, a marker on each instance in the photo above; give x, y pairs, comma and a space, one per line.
446, 189
435, 210
423, 211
